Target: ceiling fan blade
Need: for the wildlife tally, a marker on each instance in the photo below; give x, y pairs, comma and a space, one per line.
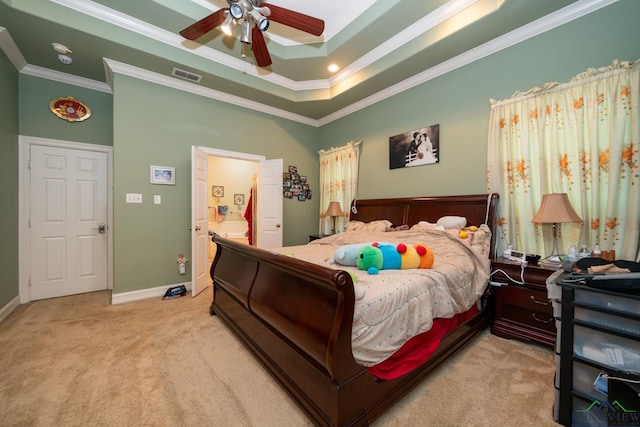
259, 47
296, 20
204, 25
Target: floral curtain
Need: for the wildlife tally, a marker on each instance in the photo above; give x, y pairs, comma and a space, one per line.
338, 183
581, 138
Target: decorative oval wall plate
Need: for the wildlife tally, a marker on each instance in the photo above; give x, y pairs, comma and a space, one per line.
70, 109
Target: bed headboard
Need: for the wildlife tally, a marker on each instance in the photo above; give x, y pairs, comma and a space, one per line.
477, 208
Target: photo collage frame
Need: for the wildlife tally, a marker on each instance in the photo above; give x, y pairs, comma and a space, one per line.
295, 186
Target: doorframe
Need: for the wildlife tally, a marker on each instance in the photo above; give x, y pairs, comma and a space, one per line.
224, 154
24, 213
231, 154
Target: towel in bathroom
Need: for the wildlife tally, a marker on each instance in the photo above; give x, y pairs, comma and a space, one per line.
248, 214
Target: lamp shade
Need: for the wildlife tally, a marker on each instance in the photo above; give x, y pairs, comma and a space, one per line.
555, 208
334, 209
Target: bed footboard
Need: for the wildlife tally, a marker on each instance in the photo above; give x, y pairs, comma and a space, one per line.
296, 318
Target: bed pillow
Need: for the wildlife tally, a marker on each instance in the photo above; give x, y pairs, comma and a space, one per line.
481, 240
376, 225
476, 238
425, 225
453, 222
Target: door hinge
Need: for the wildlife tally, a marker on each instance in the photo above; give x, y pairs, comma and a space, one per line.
29, 281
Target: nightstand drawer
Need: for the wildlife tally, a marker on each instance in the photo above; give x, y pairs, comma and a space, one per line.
522, 308
525, 306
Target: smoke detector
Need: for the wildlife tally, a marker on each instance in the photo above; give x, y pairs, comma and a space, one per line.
60, 48
62, 53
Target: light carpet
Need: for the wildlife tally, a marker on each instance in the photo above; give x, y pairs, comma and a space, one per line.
80, 361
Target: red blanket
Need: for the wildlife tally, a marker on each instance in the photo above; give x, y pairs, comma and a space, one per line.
418, 349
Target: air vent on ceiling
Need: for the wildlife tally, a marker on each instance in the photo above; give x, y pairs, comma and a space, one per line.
177, 72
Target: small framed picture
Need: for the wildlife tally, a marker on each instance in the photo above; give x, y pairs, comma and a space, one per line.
163, 175
238, 199
217, 191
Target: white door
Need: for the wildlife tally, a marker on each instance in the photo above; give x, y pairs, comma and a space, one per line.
269, 206
199, 225
68, 235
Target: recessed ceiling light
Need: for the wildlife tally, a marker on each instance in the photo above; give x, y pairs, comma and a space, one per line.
333, 68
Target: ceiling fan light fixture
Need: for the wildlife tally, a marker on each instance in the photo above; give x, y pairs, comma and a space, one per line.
236, 11
261, 21
228, 25
245, 37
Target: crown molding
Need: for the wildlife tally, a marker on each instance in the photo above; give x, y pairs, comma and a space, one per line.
46, 73
10, 49
121, 20
112, 67
540, 26
546, 23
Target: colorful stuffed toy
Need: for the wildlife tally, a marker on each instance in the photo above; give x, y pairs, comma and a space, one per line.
346, 254
386, 256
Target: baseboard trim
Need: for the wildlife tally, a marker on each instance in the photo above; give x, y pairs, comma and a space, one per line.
159, 291
9, 308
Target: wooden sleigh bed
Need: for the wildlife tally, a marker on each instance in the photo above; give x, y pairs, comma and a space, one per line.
296, 317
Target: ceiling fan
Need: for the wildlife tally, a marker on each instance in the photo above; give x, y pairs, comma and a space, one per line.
254, 17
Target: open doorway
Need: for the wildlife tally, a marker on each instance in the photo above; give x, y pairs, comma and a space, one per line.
267, 205
230, 210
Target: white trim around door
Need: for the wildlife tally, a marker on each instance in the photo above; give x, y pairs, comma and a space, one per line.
24, 197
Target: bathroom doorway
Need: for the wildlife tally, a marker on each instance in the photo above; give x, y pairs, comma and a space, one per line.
267, 205
230, 200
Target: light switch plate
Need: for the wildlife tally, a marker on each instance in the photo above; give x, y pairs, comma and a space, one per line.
134, 198
157, 199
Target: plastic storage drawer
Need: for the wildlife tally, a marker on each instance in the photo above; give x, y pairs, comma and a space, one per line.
618, 353
584, 377
609, 321
607, 300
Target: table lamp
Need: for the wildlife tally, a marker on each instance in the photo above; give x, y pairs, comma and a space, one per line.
333, 211
555, 209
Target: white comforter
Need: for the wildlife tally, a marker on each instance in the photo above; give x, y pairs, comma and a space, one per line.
396, 305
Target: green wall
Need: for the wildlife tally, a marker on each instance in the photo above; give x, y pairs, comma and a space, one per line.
152, 124
9, 179
157, 125
36, 119
459, 102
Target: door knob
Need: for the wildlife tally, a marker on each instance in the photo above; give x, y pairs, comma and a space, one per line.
102, 228
278, 225
198, 228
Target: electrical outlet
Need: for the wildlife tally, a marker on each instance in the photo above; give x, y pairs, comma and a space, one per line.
133, 198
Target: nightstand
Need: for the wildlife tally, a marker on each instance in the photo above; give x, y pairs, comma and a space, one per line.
522, 308
313, 237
